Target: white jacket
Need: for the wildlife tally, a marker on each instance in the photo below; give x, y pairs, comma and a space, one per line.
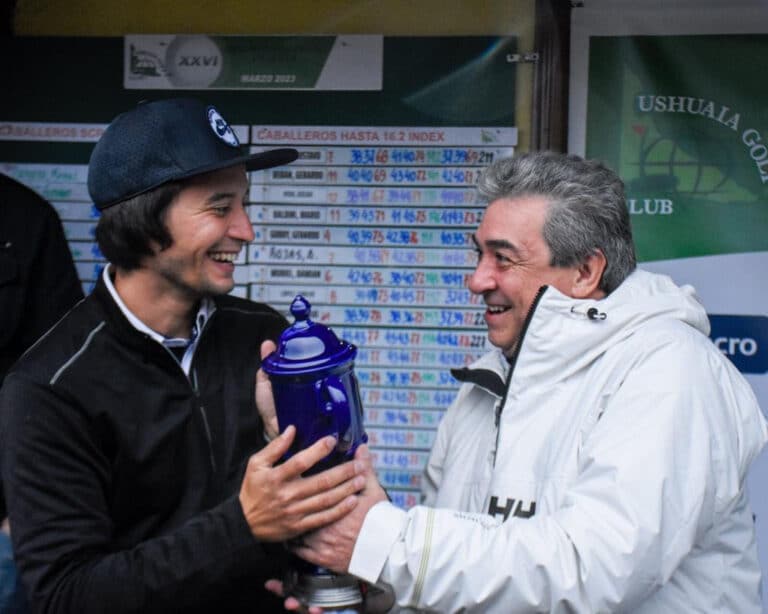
623, 446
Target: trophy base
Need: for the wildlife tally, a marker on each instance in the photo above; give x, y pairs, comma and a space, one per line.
325, 589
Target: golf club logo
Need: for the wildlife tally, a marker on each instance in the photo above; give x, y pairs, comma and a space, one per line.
222, 129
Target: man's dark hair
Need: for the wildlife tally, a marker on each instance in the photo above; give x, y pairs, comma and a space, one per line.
587, 208
125, 231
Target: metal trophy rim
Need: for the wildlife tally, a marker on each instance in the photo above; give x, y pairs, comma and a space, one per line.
325, 589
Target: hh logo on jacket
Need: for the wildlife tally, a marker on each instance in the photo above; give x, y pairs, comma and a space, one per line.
516, 507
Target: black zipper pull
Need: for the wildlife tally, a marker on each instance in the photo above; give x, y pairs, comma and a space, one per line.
594, 314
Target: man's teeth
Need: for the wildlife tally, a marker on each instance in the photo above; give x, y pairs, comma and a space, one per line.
222, 257
496, 308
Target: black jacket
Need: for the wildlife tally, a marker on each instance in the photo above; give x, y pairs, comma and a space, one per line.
38, 280
122, 473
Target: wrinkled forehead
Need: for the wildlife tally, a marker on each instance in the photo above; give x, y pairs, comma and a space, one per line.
506, 218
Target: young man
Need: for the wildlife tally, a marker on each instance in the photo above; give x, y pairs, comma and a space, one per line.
133, 455
595, 461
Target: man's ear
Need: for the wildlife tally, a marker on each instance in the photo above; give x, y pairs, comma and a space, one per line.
587, 276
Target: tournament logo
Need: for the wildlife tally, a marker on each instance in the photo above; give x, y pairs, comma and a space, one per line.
222, 128
193, 61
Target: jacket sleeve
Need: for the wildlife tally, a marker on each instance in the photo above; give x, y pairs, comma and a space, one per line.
663, 463
58, 482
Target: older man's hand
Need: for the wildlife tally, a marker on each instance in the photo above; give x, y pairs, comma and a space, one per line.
331, 546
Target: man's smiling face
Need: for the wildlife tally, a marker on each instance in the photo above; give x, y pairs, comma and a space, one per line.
513, 263
209, 227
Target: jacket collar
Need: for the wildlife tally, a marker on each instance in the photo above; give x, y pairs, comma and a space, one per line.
488, 372
122, 326
206, 309
565, 335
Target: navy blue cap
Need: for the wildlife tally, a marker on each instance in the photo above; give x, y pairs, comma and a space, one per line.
167, 140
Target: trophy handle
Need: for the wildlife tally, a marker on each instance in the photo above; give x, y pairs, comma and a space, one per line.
333, 399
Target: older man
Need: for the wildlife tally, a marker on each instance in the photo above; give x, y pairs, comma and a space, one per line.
595, 461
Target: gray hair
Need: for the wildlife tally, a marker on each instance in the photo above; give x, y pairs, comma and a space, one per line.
587, 208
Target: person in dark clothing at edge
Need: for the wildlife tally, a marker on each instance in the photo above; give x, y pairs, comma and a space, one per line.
38, 280
38, 285
137, 472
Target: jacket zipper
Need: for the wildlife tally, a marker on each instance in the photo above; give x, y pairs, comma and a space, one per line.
512, 362
204, 416
196, 390
192, 379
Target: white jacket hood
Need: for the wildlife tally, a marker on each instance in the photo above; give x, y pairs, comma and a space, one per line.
565, 334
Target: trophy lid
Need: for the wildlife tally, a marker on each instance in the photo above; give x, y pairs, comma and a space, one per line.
306, 346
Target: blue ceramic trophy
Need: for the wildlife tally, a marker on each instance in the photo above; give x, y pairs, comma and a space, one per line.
315, 389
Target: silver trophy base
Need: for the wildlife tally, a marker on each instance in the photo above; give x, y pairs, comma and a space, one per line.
324, 588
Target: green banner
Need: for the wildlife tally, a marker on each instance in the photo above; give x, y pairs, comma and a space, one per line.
197, 61
684, 120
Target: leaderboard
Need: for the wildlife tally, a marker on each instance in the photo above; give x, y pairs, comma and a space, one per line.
373, 225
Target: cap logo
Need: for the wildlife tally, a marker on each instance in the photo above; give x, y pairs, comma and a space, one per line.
221, 128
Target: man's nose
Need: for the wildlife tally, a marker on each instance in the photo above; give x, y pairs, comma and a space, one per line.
481, 280
241, 227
